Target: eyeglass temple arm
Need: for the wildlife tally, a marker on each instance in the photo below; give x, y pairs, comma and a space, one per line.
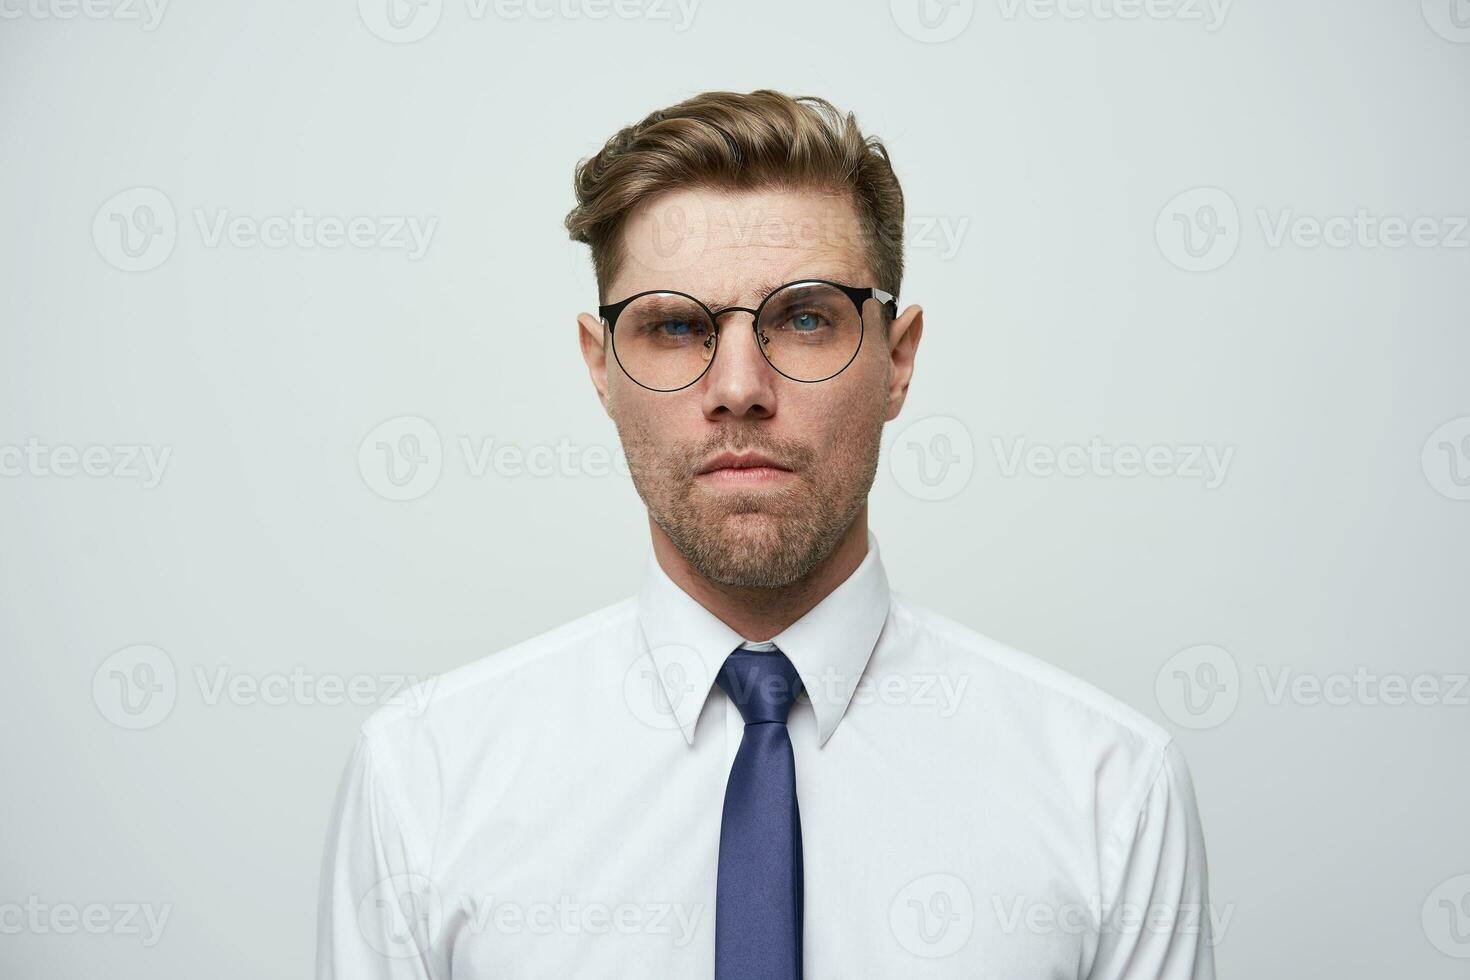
609, 313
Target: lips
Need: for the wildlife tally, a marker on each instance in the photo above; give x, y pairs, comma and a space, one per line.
740, 461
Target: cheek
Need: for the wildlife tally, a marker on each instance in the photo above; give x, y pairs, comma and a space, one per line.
650, 427
839, 425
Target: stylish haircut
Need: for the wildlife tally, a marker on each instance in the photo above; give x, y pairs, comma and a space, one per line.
737, 141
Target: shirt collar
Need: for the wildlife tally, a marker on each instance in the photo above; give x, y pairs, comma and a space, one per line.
829, 646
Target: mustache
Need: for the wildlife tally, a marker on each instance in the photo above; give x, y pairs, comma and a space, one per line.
792, 455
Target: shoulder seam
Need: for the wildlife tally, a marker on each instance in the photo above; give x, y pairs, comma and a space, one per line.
1133, 813
382, 771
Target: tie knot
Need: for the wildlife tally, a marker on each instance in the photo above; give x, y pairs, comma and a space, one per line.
763, 684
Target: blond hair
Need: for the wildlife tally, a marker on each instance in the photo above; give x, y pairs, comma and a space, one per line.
730, 140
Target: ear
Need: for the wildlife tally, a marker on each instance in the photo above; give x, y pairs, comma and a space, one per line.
903, 344
592, 336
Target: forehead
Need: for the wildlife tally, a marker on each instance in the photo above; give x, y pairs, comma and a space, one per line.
731, 247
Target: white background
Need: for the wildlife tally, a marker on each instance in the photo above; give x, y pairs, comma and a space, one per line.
1043, 152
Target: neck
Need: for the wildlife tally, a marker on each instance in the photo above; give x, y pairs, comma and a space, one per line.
760, 614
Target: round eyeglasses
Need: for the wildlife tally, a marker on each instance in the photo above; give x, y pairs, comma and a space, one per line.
809, 330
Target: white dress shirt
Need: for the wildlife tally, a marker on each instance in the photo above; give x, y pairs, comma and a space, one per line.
553, 810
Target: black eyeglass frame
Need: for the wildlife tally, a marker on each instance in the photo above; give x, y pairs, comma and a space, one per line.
858, 294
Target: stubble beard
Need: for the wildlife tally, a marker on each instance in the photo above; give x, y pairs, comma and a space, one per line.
755, 539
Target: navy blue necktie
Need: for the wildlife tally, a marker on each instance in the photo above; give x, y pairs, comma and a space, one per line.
759, 892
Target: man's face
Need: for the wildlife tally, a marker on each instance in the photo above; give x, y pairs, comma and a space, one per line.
760, 527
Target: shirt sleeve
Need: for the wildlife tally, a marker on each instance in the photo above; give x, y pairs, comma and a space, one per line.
1157, 924
377, 909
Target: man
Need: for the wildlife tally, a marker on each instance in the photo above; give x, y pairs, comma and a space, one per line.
765, 762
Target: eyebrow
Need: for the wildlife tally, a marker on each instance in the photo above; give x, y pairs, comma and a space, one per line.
769, 286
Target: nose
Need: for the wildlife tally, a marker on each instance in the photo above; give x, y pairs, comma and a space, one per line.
740, 381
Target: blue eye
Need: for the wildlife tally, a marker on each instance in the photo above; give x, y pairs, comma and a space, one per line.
806, 321
678, 328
